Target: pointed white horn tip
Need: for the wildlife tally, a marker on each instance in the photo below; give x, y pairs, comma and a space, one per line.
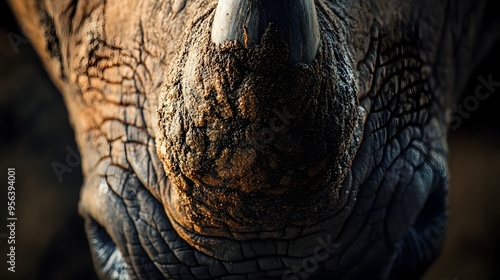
246, 22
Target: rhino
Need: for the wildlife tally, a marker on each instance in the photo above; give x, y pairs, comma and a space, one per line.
261, 139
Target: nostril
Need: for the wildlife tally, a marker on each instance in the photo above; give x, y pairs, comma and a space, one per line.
421, 245
107, 257
434, 210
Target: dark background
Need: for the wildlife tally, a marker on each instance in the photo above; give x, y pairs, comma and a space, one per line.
50, 239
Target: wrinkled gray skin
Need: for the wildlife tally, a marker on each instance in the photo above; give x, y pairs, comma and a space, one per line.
178, 181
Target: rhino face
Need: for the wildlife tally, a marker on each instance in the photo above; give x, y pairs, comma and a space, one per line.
258, 139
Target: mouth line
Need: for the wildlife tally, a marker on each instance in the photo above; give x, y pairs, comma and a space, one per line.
189, 261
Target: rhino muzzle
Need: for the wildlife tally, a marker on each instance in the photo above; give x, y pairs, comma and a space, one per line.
251, 141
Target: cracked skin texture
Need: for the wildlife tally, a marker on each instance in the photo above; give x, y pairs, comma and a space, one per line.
119, 62
227, 174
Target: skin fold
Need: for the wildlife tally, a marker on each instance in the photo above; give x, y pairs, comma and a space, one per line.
244, 159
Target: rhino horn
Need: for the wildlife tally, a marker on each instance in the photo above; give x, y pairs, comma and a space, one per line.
246, 21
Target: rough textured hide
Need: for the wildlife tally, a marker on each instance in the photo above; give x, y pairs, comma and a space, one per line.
361, 166
243, 130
